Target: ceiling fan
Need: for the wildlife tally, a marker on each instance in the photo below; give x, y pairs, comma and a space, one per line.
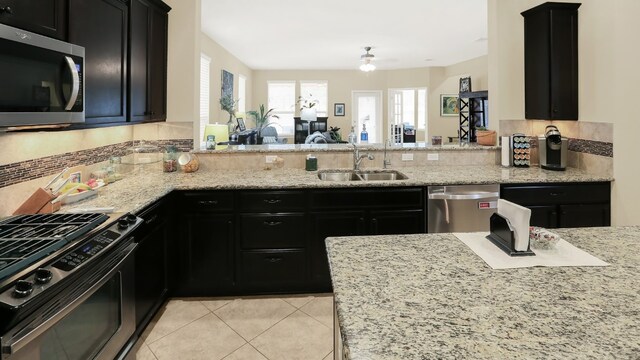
367, 60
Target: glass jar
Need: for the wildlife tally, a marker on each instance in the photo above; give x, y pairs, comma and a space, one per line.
211, 142
170, 159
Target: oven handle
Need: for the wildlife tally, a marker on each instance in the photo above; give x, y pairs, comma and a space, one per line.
75, 83
18, 344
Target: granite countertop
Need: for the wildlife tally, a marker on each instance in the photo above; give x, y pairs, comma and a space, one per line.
306, 148
136, 191
428, 296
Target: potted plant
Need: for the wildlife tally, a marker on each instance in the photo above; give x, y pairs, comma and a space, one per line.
307, 110
485, 136
262, 119
228, 104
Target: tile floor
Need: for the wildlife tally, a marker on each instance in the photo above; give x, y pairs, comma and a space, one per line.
273, 328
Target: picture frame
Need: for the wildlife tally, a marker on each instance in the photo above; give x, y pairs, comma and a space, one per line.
449, 105
241, 124
75, 177
465, 84
227, 84
338, 109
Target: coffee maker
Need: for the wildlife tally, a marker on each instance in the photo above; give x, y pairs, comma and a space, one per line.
552, 148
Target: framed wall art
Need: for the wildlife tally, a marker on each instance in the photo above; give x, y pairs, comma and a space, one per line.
227, 84
449, 105
338, 109
465, 84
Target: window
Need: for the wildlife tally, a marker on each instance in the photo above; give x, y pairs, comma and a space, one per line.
205, 65
316, 90
242, 93
408, 107
282, 97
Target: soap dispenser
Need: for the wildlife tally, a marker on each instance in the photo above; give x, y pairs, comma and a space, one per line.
352, 136
364, 135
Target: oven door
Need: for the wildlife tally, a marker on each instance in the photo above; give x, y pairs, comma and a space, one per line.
95, 323
42, 79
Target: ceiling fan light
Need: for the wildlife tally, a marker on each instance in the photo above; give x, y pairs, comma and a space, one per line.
367, 67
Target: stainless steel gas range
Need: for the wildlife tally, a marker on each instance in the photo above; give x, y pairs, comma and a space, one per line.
66, 286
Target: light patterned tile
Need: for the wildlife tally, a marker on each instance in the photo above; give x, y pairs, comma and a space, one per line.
247, 352
321, 309
144, 353
298, 301
176, 314
299, 336
215, 304
250, 317
207, 338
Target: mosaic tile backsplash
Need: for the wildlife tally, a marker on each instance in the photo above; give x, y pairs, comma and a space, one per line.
36, 168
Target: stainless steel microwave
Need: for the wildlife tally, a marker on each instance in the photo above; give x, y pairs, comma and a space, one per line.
41, 79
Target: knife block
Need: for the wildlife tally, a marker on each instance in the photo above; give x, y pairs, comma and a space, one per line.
503, 236
39, 199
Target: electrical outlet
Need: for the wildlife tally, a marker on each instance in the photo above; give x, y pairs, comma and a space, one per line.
407, 157
270, 159
433, 157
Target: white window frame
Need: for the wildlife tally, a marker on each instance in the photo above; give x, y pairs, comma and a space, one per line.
205, 94
285, 128
398, 118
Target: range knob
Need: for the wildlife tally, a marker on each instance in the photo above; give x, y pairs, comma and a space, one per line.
131, 218
123, 223
23, 289
43, 276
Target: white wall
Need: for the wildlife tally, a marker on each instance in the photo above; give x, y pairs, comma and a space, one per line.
608, 75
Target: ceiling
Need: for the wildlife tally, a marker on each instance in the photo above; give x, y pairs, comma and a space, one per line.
331, 34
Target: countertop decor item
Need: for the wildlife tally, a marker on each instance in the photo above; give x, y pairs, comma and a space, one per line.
170, 159
228, 104
485, 136
220, 131
262, 118
542, 238
189, 162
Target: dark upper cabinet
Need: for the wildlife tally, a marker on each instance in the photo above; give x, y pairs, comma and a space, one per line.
101, 26
148, 61
551, 61
45, 17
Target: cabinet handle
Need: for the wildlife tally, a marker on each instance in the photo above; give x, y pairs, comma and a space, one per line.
6, 10
272, 223
272, 201
208, 202
151, 220
273, 259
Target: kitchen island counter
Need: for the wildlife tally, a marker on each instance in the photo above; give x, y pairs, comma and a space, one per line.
137, 191
428, 296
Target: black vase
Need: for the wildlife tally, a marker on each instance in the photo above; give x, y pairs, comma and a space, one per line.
259, 140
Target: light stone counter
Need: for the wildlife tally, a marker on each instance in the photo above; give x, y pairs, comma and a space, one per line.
136, 191
311, 148
428, 296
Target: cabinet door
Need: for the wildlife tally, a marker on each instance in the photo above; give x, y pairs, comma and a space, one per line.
544, 216
151, 272
101, 26
45, 17
206, 265
585, 215
148, 62
326, 225
397, 222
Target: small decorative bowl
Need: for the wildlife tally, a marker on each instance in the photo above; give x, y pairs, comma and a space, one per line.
542, 239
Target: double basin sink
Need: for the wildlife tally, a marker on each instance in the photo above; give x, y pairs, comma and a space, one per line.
361, 175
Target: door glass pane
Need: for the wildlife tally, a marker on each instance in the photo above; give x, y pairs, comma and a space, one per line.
367, 115
84, 332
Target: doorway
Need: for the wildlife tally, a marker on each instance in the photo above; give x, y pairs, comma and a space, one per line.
367, 112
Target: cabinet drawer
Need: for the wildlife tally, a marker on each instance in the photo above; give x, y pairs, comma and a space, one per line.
266, 231
369, 198
153, 215
582, 193
272, 201
207, 201
272, 268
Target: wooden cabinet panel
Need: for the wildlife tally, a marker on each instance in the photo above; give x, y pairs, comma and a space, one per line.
273, 231
367, 198
272, 271
44, 17
207, 201
544, 216
273, 201
397, 222
151, 272
589, 215
101, 26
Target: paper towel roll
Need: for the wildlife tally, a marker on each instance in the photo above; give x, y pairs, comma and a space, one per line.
506, 151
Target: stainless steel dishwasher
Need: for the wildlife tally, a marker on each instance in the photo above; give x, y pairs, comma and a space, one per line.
461, 208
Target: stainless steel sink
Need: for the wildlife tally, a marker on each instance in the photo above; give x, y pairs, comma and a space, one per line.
338, 176
363, 175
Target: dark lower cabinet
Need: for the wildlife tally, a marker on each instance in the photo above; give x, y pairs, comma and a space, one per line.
272, 271
101, 26
151, 273
44, 17
563, 205
207, 255
397, 222
324, 225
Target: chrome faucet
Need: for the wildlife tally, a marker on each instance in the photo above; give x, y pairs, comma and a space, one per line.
386, 161
357, 158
